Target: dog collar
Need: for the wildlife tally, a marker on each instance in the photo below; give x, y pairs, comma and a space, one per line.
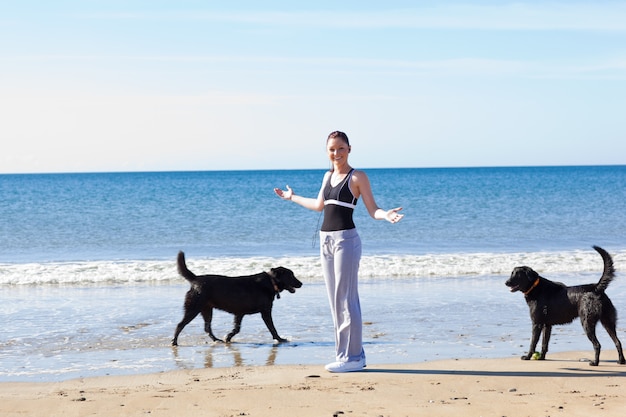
532, 287
276, 290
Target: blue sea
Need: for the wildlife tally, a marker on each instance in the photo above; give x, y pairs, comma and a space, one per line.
89, 284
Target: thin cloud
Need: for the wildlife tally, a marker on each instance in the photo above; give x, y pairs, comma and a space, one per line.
469, 66
566, 16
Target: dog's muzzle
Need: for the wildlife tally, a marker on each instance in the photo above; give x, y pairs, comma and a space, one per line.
514, 288
509, 283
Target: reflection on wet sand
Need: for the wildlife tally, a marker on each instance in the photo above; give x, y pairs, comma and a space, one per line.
218, 349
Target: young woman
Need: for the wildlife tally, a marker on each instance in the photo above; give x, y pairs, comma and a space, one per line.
340, 246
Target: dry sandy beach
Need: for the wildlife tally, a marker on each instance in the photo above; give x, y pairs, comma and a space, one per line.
563, 385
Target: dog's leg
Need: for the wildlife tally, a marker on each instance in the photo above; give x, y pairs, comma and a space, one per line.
236, 329
590, 329
189, 316
267, 318
618, 344
534, 339
547, 332
609, 325
207, 315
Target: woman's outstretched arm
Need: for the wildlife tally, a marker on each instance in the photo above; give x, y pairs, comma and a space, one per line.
315, 204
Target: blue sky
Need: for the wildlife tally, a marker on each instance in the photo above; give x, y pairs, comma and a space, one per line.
206, 85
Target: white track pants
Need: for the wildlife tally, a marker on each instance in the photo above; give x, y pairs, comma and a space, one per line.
341, 254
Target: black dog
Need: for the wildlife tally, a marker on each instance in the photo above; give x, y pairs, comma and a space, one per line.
553, 303
236, 295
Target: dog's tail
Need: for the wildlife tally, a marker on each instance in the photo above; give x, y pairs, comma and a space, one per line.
608, 273
182, 268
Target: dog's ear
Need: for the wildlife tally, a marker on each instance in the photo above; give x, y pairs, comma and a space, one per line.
530, 273
280, 271
277, 275
275, 272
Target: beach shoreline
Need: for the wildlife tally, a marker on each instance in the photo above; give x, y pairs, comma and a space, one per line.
74, 332
564, 384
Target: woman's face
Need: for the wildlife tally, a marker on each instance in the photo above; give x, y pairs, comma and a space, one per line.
338, 151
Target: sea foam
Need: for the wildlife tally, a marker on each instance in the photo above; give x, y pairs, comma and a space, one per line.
307, 268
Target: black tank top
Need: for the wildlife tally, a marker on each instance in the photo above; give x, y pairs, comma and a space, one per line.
339, 205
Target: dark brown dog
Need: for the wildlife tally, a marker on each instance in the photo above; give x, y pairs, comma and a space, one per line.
552, 303
236, 295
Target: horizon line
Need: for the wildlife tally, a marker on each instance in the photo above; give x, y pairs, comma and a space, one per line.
307, 169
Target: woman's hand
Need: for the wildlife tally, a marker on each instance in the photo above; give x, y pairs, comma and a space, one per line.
392, 215
284, 194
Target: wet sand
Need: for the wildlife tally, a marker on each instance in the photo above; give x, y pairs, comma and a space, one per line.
564, 384
61, 333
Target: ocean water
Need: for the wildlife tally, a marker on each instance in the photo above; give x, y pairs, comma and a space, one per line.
89, 284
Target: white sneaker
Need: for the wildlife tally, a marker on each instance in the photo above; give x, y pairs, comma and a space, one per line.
352, 366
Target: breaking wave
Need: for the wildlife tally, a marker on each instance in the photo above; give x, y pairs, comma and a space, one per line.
307, 268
